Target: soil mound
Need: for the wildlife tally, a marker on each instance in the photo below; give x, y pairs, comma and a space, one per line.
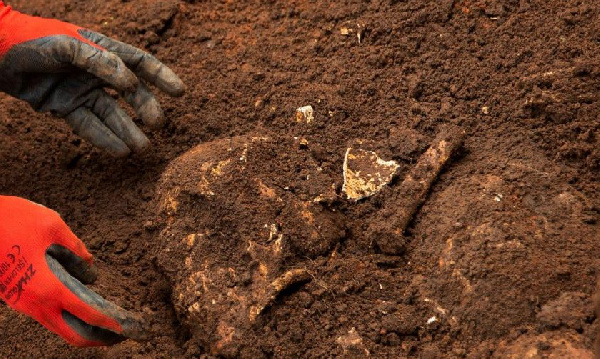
241, 217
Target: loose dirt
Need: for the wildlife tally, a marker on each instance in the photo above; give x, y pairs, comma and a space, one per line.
500, 261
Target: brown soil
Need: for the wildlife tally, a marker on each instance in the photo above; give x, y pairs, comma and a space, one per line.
504, 253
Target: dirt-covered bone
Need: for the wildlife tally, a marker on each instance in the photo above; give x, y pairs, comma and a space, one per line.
229, 266
365, 173
412, 192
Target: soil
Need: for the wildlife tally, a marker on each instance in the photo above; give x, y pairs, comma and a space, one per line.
500, 261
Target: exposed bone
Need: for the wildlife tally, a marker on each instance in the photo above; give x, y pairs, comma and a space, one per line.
400, 208
288, 279
305, 114
221, 297
365, 173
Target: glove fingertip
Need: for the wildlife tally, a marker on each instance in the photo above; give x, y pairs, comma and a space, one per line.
121, 151
152, 114
171, 83
179, 88
77, 262
122, 77
89, 335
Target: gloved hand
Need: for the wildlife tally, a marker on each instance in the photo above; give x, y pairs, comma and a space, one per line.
61, 68
42, 268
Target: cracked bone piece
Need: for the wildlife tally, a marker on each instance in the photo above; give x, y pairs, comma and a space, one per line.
365, 173
305, 114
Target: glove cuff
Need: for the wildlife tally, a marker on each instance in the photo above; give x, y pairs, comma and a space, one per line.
4, 10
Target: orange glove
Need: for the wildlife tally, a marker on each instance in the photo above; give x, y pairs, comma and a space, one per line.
62, 68
42, 267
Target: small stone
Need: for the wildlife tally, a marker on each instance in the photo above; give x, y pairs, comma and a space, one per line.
303, 143
149, 226
305, 114
190, 240
365, 173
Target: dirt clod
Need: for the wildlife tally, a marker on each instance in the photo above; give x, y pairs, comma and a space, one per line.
551, 345
352, 343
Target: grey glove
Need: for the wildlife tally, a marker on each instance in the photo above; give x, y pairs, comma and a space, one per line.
60, 68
